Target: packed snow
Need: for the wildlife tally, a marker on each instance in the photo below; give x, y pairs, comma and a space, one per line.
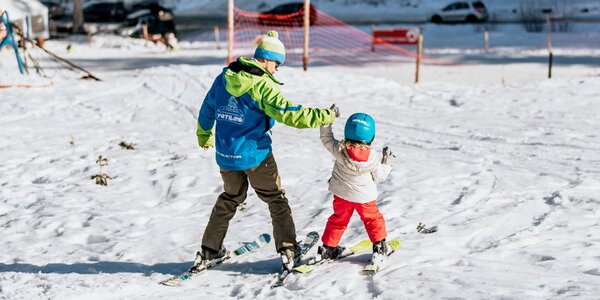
503, 160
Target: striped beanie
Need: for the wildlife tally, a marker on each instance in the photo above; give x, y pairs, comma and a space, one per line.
271, 48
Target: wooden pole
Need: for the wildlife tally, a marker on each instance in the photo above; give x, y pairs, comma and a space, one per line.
217, 37
486, 40
229, 31
549, 45
306, 33
145, 32
372, 38
419, 55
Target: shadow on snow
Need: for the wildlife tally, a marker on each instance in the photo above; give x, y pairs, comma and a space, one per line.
270, 266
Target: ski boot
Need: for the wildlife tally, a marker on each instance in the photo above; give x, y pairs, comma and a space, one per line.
290, 257
328, 252
208, 257
380, 250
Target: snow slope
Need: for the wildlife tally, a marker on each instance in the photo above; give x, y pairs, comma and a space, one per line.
504, 161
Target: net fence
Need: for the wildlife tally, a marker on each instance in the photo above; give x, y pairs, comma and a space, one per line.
331, 41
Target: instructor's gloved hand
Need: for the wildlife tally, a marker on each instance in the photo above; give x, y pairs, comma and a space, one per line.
336, 110
387, 154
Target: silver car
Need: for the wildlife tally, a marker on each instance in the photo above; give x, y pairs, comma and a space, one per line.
461, 11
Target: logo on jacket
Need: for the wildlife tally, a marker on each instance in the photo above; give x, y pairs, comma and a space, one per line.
231, 112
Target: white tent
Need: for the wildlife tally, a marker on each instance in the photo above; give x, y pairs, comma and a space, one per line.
30, 15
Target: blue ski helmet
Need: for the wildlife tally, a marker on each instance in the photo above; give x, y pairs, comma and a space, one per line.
360, 127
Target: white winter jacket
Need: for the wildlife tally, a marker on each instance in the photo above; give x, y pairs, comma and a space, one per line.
352, 180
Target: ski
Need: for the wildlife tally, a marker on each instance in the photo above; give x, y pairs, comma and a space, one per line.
315, 262
374, 267
309, 241
197, 269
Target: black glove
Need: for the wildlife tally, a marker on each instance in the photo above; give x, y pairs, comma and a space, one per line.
387, 154
336, 110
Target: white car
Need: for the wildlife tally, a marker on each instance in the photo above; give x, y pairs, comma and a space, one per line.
461, 11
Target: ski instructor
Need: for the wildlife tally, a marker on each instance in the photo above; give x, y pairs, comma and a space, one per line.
244, 102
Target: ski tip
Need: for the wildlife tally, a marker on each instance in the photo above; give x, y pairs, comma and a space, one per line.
304, 269
369, 272
170, 282
281, 279
371, 269
276, 285
313, 234
394, 244
265, 238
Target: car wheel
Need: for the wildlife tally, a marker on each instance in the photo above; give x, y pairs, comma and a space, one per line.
472, 19
436, 19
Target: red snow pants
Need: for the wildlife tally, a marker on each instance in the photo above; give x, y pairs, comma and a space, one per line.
342, 212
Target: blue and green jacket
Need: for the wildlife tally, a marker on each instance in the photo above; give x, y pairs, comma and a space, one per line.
244, 102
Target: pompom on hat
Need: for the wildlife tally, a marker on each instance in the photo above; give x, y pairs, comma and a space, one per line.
271, 48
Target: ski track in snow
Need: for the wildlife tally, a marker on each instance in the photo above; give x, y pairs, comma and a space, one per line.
508, 173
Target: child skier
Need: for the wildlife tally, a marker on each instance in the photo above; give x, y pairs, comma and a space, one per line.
353, 184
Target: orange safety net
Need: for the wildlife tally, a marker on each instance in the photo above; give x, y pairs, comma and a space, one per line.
331, 41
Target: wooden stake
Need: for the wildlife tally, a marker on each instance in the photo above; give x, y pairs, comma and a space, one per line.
419, 55
486, 40
306, 33
217, 37
145, 32
372, 38
549, 45
229, 31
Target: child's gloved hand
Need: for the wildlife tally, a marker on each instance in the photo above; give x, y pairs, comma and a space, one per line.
336, 110
387, 154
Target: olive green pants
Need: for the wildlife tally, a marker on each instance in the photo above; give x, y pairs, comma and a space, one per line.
265, 181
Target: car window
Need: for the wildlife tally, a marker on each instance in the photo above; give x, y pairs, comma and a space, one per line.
456, 6
91, 8
292, 8
286, 8
478, 4
450, 7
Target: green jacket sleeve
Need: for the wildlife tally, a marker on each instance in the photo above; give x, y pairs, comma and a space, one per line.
206, 138
284, 111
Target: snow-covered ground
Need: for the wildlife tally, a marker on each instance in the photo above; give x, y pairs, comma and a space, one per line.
502, 159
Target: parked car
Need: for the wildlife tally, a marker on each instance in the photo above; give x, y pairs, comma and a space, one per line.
463, 11
290, 14
55, 9
158, 19
105, 12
